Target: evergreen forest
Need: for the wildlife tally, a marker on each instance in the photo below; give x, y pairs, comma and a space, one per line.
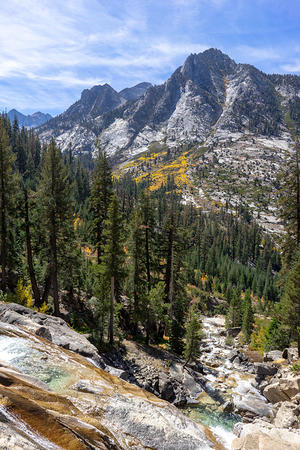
116, 259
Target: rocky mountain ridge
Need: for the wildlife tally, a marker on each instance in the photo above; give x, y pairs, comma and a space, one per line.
221, 128
73, 126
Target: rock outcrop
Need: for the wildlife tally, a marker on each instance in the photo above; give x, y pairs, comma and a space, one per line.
53, 329
60, 397
261, 435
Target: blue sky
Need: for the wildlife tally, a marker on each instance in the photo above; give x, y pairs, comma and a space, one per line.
50, 50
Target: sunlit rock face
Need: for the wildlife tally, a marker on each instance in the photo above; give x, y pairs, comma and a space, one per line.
58, 399
208, 95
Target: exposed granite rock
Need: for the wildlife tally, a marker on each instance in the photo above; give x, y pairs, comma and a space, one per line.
51, 328
273, 355
11, 439
287, 416
282, 389
261, 435
88, 408
291, 354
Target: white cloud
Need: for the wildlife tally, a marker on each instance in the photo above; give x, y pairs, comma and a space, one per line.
255, 54
293, 67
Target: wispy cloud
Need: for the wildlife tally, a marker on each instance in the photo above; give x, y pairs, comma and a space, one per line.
256, 54
50, 50
293, 67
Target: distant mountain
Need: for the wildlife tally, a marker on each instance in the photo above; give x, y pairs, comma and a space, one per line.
71, 125
31, 121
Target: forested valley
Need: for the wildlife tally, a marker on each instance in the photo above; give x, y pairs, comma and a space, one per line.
116, 259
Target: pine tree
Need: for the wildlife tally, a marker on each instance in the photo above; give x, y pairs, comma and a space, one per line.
8, 190
112, 260
100, 199
234, 314
291, 300
57, 212
289, 203
247, 317
193, 335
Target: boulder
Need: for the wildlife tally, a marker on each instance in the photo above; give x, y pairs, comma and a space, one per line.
287, 416
261, 435
264, 370
273, 355
291, 354
117, 372
237, 357
283, 389
247, 400
233, 331
227, 407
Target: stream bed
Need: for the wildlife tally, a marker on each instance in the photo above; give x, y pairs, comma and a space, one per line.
225, 381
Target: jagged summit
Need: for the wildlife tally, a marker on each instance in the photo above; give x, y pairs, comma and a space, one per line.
209, 93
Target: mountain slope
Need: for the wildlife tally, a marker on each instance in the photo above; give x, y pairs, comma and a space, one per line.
220, 128
71, 126
135, 92
210, 92
31, 121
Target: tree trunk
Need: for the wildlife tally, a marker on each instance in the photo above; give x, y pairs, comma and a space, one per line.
298, 192
47, 285
147, 257
53, 265
3, 251
35, 289
111, 311
3, 232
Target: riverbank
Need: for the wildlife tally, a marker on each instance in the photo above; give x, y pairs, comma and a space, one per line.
224, 400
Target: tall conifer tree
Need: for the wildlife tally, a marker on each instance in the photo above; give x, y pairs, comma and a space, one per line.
8, 191
100, 199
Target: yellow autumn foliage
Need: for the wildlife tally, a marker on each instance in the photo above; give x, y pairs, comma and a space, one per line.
24, 293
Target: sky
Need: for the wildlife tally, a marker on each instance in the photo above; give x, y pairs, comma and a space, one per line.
50, 50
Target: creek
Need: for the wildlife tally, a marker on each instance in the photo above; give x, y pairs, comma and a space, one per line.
226, 381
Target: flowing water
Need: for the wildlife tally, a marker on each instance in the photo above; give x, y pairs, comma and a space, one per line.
20, 354
224, 381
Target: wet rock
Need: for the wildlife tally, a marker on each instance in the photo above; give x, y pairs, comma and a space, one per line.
93, 409
51, 328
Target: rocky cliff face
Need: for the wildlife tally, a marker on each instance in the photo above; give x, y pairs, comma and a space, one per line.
74, 126
210, 93
222, 129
